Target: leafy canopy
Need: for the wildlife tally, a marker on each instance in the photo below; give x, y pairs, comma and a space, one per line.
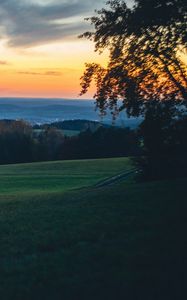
146, 43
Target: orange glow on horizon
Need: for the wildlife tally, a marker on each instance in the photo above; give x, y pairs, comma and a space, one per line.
46, 71
51, 71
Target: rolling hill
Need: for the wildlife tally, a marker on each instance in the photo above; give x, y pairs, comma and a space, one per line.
63, 238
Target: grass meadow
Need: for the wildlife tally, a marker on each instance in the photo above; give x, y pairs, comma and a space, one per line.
63, 238
58, 176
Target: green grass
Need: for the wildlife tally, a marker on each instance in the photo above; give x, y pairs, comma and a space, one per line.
70, 132
126, 241
67, 132
58, 176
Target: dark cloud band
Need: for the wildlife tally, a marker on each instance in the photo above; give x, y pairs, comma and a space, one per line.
26, 23
47, 73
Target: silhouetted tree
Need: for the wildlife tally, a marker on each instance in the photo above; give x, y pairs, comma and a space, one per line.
145, 43
146, 72
163, 133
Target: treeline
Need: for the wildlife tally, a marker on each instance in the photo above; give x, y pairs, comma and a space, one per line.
104, 142
78, 125
158, 147
20, 143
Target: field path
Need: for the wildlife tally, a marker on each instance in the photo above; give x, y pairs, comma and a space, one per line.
115, 179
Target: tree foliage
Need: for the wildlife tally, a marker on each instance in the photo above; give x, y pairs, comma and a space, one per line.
145, 43
163, 132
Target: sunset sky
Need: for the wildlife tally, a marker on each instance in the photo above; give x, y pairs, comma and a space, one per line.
40, 54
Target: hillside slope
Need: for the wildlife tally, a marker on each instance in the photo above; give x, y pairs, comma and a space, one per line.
58, 176
126, 241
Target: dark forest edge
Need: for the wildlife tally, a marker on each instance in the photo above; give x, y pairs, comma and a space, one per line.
158, 146
21, 143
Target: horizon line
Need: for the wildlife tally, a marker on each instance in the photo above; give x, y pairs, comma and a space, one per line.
46, 98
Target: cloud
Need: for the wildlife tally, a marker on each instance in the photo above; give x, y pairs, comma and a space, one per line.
47, 73
4, 63
26, 23
52, 73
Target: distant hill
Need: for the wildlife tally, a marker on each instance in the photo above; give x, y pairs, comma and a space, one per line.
41, 111
79, 125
